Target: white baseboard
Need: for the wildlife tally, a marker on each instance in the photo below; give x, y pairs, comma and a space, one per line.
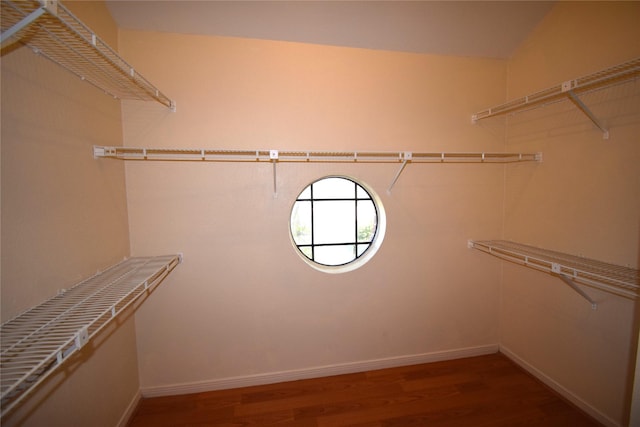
315, 372
558, 388
126, 417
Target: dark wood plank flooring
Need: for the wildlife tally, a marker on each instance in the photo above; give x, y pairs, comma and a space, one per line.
479, 391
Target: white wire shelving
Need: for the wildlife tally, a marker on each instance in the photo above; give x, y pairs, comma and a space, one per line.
200, 154
275, 156
53, 32
570, 89
35, 343
615, 279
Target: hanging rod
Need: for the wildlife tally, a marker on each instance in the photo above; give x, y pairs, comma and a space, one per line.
569, 90
53, 32
37, 342
197, 154
615, 279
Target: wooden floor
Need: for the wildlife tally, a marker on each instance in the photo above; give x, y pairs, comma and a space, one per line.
479, 391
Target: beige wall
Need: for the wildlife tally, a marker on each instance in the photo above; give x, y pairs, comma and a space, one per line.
584, 199
243, 303
64, 217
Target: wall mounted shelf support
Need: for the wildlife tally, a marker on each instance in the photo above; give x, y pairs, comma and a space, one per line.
573, 285
406, 159
37, 342
581, 105
570, 89
273, 155
54, 33
611, 278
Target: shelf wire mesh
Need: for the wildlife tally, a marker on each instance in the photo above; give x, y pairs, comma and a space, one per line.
617, 74
37, 341
63, 39
612, 278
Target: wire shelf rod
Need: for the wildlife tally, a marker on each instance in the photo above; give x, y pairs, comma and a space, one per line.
66, 328
275, 156
85, 69
609, 278
41, 315
199, 154
602, 79
612, 278
39, 340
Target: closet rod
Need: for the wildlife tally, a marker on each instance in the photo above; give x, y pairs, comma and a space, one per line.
215, 155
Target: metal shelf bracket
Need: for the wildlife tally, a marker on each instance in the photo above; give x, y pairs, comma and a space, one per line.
557, 269
581, 105
274, 155
82, 337
406, 158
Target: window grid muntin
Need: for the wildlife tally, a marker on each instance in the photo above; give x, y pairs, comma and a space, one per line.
356, 244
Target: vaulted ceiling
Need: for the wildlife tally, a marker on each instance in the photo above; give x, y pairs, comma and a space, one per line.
492, 29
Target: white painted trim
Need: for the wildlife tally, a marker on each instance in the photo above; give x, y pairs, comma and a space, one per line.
315, 372
128, 413
564, 392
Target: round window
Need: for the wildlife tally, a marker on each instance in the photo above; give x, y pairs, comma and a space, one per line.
337, 224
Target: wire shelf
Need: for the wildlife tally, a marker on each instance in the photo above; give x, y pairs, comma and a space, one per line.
50, 30
197, 154
36, 342
599, 80
615, 279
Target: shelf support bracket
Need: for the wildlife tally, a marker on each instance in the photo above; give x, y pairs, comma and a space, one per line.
273, 155
406, 159
581, 105
24, 22
567, 280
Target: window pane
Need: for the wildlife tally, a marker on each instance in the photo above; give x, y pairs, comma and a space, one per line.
306, 193
366, 220
362, 193
301, 223
334, 188
334, 255
306, 250
362, 248
334, 221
